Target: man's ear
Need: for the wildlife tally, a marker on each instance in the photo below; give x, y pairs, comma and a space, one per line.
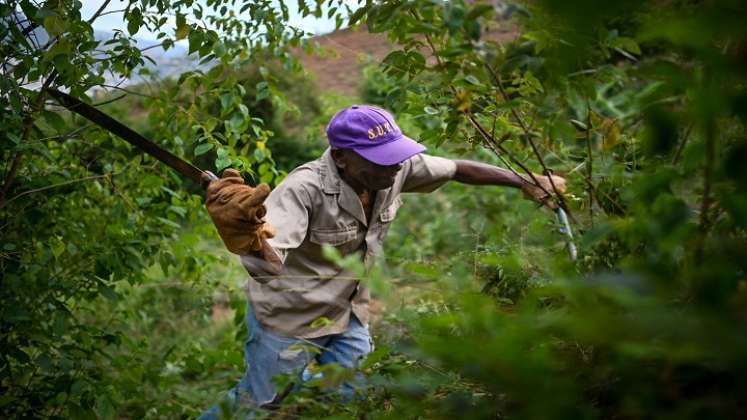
340, 158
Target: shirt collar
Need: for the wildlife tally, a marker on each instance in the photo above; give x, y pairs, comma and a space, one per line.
330, 176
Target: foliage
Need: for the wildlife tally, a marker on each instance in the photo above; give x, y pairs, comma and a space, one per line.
640, 105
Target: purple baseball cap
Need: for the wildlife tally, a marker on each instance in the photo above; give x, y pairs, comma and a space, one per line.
372, 133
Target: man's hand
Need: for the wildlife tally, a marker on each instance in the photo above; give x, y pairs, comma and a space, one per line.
237, 211
543, 195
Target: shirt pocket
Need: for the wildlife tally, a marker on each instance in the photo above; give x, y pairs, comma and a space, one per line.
387, 215
334, 236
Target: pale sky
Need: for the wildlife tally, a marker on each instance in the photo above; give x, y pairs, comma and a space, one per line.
116, 20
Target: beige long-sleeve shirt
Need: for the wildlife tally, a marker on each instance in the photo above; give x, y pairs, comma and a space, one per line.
313, 206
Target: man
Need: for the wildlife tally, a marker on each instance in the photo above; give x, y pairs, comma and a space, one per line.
347, 199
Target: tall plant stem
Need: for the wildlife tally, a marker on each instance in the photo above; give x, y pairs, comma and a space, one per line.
705, 205
682, 144
589, 168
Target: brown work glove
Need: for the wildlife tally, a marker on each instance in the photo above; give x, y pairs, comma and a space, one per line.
533, 192
237, 211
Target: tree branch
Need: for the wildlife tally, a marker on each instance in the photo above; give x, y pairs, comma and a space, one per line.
527, 132
145, 95
98, 12
61, 184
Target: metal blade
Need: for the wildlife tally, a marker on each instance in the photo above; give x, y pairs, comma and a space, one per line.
565, 229
110, 124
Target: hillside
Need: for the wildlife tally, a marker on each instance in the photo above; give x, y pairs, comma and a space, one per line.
350, 50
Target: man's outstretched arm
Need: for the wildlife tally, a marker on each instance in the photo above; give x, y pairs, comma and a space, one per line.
476, 173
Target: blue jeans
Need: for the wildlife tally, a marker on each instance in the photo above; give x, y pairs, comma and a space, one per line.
267, 354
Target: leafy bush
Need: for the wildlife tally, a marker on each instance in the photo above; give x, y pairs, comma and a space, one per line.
636, 107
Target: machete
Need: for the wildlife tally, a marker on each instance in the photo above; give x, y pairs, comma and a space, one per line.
113, 126
565, 230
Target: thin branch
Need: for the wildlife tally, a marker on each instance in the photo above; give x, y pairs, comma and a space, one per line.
111, 12
503, 151
61, 184
490, 138
57, 106
129, 91
589, 168
99, 12
527, 132
111, 100
65, 136
682, 144
151, 47
705, 205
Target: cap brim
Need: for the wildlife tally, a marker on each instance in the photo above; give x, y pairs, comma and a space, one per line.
391, 153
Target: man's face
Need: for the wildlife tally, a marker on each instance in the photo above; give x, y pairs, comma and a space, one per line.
361, 173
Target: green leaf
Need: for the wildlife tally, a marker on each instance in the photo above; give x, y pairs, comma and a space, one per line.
78, 412
226, 101
182, 28
107, 291
263, 91
203, 148
105, 408
472, 79
55, 25
321, 322
628, 44
195, 39
480, 10
223, 160
6, 399
219, 49
134, 21
169, 222
54, 120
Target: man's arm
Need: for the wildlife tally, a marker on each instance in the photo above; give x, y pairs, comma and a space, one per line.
476, 173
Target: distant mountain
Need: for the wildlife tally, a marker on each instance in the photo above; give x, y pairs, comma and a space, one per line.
168, 63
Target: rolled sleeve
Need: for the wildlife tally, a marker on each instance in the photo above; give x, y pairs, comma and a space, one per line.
288, 209
426, 173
